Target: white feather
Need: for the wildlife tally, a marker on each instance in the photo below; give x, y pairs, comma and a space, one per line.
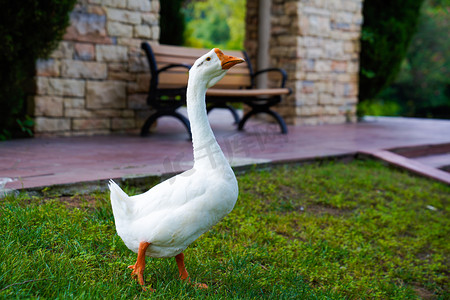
174, 213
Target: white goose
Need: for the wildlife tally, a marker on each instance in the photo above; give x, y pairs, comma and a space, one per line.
165, 220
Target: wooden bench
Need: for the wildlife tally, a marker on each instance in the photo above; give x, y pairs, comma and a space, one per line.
169, 67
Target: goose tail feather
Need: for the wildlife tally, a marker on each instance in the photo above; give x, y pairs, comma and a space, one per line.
121, 204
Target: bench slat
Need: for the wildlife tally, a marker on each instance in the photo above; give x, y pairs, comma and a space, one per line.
246, 93
181, 78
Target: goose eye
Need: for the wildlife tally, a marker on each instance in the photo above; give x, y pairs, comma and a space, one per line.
208, 58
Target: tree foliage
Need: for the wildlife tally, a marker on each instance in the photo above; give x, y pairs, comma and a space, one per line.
422, 88
212, 23
30, 30
386, 34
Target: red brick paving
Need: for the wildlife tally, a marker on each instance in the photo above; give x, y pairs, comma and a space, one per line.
41, 162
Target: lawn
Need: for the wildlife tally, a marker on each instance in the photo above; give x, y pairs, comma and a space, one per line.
325, 230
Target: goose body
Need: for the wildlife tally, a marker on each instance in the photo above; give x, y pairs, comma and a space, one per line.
166, 219
175, 212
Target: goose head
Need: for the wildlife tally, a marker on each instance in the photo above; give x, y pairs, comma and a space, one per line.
212, 67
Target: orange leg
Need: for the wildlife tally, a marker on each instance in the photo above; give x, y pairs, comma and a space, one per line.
139, 266
184, 274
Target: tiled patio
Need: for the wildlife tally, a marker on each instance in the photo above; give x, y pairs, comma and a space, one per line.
42, 162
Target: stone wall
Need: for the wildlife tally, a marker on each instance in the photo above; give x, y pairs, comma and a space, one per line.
317, 43
96, 81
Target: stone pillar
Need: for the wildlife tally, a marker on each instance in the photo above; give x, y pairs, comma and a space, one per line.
96, 81
317, 43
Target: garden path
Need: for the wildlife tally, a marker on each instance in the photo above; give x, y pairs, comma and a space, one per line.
41, 162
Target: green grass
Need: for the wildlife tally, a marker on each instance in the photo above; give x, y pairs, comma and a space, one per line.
319, 231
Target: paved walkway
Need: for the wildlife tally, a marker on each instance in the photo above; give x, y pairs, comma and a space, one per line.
42, 162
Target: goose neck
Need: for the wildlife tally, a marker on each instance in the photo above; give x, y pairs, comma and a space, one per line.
206, 149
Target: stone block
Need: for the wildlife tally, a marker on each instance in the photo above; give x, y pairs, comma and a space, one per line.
311, 10
111, 53
307, 87
342, 17
85, 27
64, 50
96, 9
142, 31
48, 106
308, 110
318, 26
123, 16
78, 113
313, 53
128, 113
119, 29
143, 82
312, 77
118, 67
150, 19
339, 66
137, 101
132, 43
325, 99
291, 8
90, 124
47, 67
330, 110
332, 5
105, 94
60, 87
352, 5
156, 30
84, 51
155, 6
114, 3
352, 46
323, 66
83, 69
74, 103
43, 124
141, 116
346, 89
334, 49
339, 89
122, 76
139, 5
138, 63
121, 123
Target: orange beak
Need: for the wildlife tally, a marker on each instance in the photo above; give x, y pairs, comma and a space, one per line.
226, 60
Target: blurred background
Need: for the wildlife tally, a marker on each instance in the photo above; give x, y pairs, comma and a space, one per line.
404, 49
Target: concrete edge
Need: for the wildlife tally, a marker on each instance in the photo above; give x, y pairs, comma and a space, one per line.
407, 164
390, 158
85, 187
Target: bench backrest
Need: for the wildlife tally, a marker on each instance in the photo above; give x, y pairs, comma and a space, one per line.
164, 55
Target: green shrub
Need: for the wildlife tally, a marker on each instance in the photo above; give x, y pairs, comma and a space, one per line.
215, 24
386, 34
30, 30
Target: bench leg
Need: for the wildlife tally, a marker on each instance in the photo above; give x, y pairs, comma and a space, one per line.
146, 127
274, 114
229, 107
245, 118
185, 122
279, 119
